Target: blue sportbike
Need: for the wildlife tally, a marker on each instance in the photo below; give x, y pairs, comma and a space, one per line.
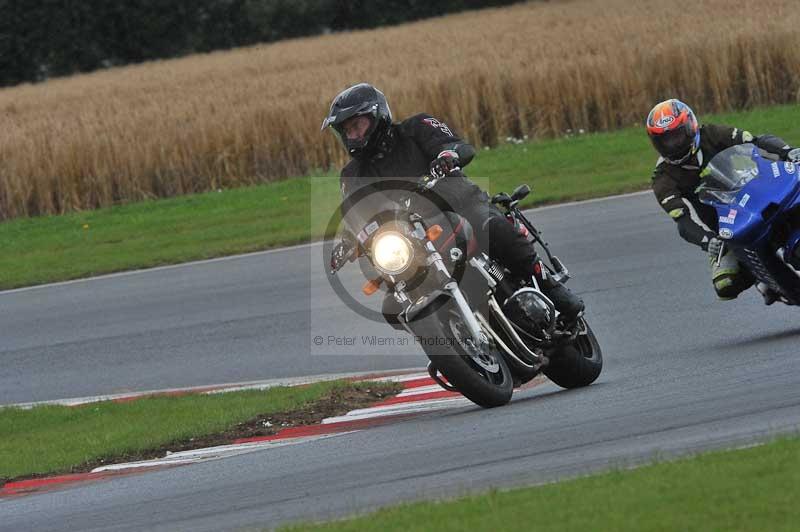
757, 198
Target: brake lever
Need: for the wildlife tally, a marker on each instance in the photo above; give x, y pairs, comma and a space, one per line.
719, 255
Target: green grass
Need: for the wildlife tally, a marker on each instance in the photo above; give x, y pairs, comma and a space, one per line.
48, 439
753, 489
152, 233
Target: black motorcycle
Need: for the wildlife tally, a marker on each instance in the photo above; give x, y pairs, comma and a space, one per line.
483, 330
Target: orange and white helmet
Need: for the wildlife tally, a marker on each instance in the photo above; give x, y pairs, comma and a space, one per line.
673, 130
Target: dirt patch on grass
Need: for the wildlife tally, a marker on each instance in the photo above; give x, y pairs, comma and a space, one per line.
337, 402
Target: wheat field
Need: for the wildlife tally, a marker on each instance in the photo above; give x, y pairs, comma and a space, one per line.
252, 115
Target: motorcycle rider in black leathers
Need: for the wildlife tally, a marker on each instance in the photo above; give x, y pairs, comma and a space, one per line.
421, 145
685, 148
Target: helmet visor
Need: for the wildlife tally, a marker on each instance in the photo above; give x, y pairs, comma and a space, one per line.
338, 115
675, 146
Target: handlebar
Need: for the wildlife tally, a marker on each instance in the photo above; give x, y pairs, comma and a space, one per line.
347, 250
427, 182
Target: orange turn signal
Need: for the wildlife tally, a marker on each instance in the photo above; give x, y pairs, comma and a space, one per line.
434, 232
371, 286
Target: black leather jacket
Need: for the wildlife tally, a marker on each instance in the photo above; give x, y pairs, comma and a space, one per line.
413, 144
674, 185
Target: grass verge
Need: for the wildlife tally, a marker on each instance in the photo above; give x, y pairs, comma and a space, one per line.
752, 489
60, 439
153, 233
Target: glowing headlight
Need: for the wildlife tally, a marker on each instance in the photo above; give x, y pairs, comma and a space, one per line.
392, 253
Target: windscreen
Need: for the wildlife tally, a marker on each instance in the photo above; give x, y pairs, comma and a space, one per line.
732, 168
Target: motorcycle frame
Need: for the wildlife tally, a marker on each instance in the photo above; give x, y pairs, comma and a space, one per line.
523, 359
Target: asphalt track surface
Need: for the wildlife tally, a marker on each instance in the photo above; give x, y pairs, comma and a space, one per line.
683, 373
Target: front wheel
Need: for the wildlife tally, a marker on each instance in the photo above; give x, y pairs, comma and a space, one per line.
576, 364
480, 373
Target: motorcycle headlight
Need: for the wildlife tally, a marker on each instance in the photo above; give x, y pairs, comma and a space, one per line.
392, 253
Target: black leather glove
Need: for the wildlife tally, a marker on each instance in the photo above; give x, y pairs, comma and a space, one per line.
792, 155
344, 251
444, 164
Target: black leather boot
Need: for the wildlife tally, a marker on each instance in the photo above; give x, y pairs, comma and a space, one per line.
568, 304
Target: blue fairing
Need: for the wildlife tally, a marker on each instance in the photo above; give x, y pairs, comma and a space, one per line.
749, 224
753, 195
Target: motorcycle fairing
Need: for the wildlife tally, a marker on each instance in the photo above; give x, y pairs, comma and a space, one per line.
749, 210
756, 205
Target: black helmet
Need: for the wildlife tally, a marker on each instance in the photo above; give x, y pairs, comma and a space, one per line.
361, 99
531, 313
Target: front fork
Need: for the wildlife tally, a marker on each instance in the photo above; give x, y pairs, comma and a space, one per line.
445, 280
450, 286
466, 312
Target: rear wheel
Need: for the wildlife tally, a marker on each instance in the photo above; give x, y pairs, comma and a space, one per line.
479, 372
576, 364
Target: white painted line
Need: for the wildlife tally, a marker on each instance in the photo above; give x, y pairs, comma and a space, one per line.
144, 464
255, 445
421, 390
401, 408
214, 453
584, 202
405, 378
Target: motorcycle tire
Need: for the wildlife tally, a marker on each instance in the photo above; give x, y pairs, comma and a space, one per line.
576, 364
484, 379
